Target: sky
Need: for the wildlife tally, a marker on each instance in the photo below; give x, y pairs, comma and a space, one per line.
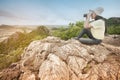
53, 12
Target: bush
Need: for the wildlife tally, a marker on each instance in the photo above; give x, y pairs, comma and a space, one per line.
114, 30
66, 33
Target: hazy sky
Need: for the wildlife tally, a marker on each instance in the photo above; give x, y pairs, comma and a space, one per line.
52, 12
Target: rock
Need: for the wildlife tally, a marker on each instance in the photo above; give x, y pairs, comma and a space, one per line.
28, 75
112, 40
56, 59
11, 73
53, 69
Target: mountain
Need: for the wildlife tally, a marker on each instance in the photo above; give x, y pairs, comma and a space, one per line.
56, 59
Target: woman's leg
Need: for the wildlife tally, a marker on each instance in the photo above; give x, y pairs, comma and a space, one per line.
90, 41
86, 31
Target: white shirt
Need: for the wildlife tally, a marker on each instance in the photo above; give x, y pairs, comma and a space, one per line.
98, 29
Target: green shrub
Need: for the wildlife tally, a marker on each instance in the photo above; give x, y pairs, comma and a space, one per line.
66, 33
114, 30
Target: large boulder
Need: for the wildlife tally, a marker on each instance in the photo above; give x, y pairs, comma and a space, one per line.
56, 59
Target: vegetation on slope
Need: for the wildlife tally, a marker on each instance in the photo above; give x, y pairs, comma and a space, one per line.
12, 48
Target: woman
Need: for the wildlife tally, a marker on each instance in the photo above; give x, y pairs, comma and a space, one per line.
95, 29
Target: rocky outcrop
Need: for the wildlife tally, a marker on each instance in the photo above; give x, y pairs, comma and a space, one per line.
56, 59
112, 40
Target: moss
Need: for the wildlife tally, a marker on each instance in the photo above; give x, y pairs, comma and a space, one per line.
86, 69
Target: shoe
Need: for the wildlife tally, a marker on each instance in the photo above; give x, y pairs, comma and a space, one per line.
76, 38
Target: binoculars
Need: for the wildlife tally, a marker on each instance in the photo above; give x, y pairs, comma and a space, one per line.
85, 15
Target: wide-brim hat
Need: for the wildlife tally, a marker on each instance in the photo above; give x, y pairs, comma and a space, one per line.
98, 10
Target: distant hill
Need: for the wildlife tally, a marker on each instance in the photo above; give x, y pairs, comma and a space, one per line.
5, 26
8, 30
113, 21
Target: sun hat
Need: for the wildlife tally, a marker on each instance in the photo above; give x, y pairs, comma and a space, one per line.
98, 10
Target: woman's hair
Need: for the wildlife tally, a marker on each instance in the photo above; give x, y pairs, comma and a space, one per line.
100, 17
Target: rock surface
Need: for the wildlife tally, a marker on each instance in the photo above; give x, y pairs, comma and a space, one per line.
112, 39
56, 59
